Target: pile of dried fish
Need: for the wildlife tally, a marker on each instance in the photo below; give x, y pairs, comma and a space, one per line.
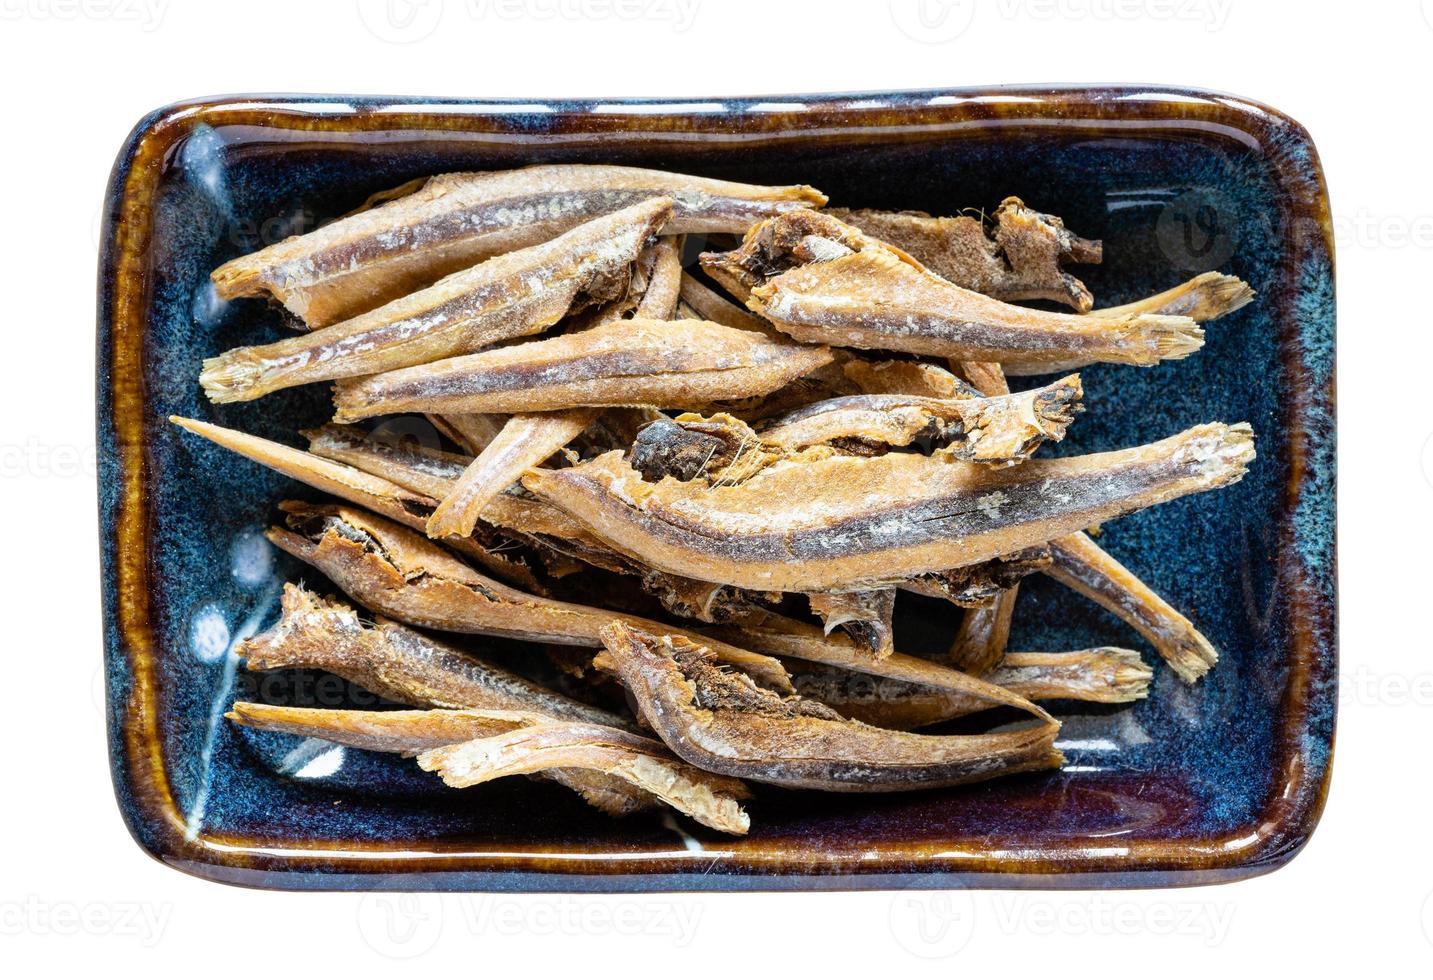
722, 496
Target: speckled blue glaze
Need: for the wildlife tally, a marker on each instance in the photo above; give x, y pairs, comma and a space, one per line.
1153, 794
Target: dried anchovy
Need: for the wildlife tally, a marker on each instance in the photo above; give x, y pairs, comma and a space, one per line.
470, 432
616, 771
848, 522
1020, 257
1002, 430
493, 550
984, 631
400, 664
781, 636
402, 575
907, 378
643, 763
823, 281
1085, 567
454, 220
726, 724
435, 473
513, 295
525, 441
410, 732
705, 303
629, 362
1103, 675
1206, 297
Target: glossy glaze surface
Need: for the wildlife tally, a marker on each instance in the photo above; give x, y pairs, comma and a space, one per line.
1213, 782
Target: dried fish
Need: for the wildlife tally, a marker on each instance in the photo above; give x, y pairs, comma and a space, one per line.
618, 772
706, 303
781, 636
1206, 297
403, 732
663, 281
727, 724
402, 575
849, 522
1103, 675
495, 552
1002, 430
1020, 257
865, 616
645, 764
470, 432
508, 296
435, 473
629, 362
981, 638
906, 378
525, 441
1085, 567
400, 664
822, 281
410, 732
984, 631
454, 220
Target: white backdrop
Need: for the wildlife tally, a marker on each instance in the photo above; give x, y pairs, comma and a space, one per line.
77, 75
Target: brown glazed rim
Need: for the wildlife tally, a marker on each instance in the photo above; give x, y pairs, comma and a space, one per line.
1287, 817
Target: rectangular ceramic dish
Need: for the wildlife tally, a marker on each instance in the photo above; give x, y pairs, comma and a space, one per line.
1197, 784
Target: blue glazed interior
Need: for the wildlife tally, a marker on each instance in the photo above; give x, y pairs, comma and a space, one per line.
1189, 762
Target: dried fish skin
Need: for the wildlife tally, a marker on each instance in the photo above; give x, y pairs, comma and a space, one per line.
864, 616
1206, 297
1088, 569
711, 800
1103, 675
660, 363
821, 281
1021, 257
508, 296
847, 522
724, 723
1000, 430
454, 220
403, 575
525, 441
400, 664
